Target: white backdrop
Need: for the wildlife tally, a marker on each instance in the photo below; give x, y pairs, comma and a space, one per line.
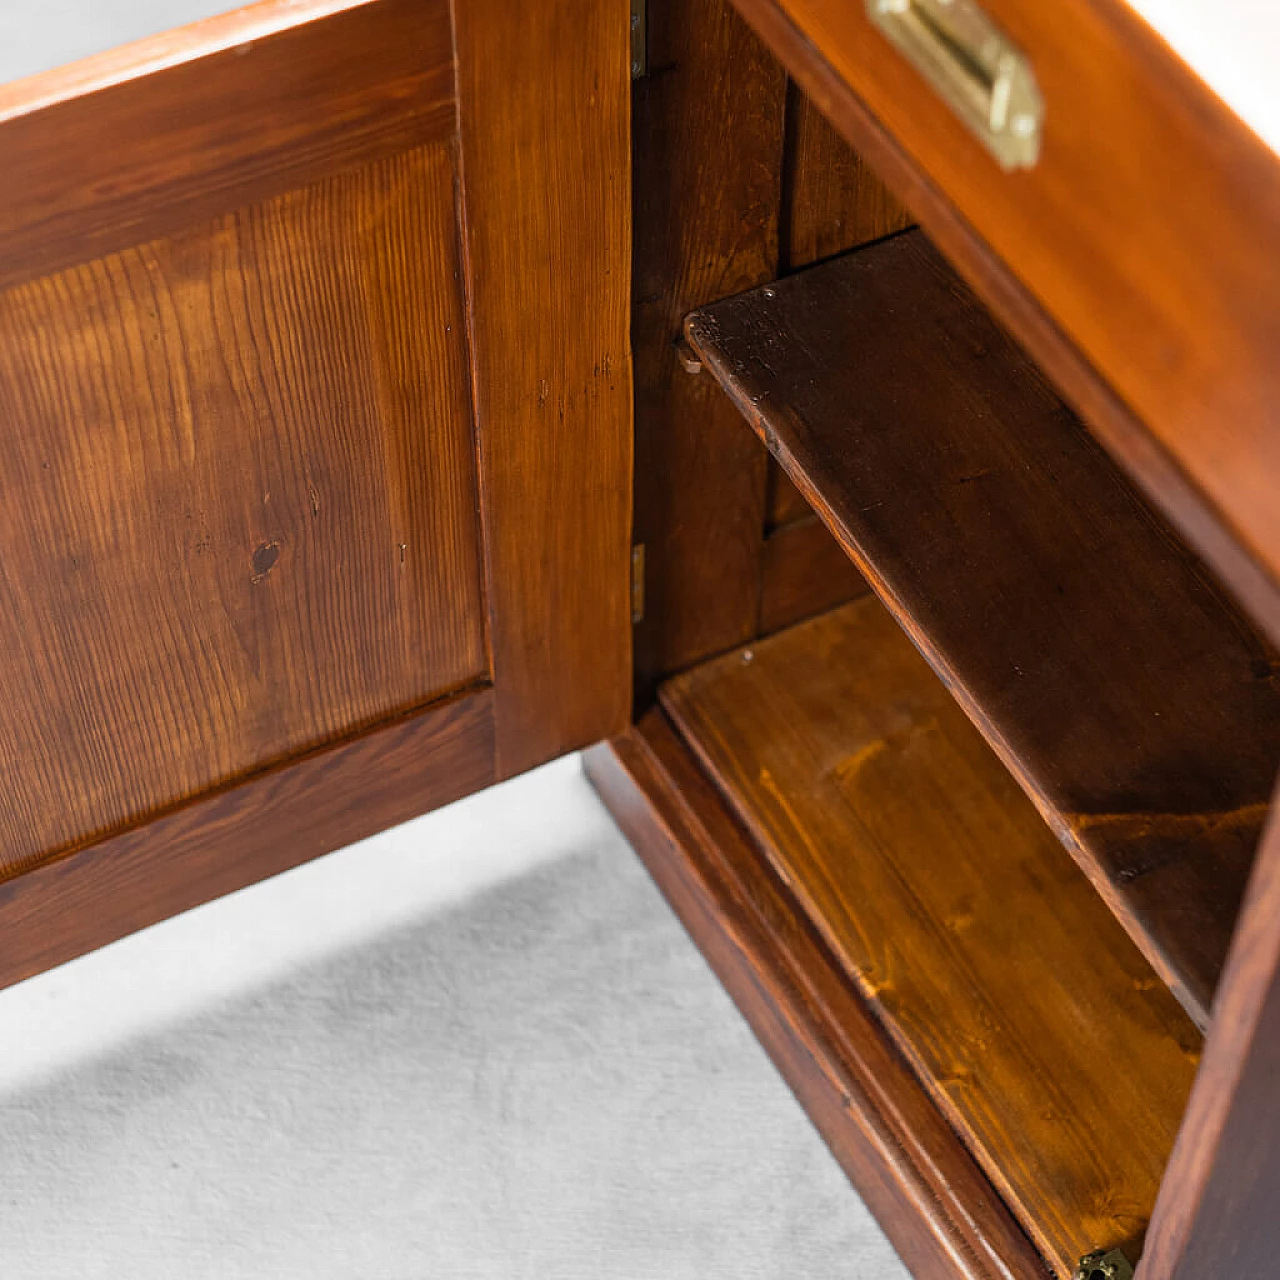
477, 1046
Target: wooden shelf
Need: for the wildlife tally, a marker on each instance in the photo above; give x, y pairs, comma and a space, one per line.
1132, 701
1020, 1002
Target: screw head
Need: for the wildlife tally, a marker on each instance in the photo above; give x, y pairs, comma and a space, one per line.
1104, 1264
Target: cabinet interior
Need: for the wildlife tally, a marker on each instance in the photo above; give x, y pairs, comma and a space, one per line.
1000, 735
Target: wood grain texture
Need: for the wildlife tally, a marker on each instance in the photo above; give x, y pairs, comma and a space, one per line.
936, 1207
544, 97
1003, 978
833, 201
1216, 1213
238, 500
1166, 351
185, 127
1096, 654
707, 162
806, 572
245, 833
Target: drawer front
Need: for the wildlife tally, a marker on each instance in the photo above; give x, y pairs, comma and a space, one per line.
1146, 229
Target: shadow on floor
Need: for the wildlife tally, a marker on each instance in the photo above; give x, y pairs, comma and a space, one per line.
543, 1080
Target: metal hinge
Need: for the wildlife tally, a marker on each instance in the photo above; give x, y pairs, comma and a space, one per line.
637, 583
1105, 1264
639, 38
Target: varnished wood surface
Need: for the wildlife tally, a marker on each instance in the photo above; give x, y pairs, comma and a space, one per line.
1216, 1215
707, 189
1128, 261
545, 135
935, 1205
1002, 976
1131, 699
176, 130
232, 838
304, 463
238, 515
833, 200
734, 176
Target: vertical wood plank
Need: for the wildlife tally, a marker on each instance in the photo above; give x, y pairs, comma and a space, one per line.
708, 166
832, 199
1216, 1215
544, 109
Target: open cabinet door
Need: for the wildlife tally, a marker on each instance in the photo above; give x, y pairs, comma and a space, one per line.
315, 440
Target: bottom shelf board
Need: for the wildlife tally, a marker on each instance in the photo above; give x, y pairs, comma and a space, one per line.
1022, 1005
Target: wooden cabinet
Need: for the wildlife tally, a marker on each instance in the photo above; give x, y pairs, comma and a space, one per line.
945, 579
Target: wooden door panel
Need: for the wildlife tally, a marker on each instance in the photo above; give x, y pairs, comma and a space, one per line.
315, 441
203, 567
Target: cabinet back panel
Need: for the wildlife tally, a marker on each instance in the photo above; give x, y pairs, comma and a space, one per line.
239, 499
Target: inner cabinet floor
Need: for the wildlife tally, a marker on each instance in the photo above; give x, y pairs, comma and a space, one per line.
1018, 999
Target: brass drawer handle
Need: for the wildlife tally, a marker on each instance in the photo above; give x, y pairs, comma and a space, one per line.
986, 79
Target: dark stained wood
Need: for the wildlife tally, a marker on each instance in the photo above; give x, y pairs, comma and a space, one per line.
784, 503
708, 140
176, 130
238, 515
833, 201
1096, 654
940, 1213
545, 115
1004, 979
1167, 352
806, 572
1216, 1215
244, 833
